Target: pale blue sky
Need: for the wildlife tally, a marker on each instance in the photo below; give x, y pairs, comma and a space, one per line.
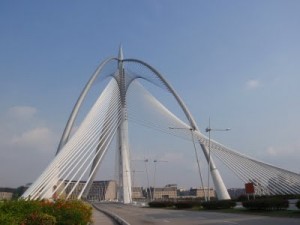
234, 61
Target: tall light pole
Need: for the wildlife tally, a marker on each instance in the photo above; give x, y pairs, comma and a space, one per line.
209, 129
148, 188
155, 161
196, 154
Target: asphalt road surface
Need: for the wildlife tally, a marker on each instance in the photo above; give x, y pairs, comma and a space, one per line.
135, 215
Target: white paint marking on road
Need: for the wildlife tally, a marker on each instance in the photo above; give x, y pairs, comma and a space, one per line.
167, 221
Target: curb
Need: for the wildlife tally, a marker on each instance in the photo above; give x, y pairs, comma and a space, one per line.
115, 217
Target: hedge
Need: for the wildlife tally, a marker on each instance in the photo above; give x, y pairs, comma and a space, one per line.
178, 204
186, 204
221, 204
266, 204
160, 204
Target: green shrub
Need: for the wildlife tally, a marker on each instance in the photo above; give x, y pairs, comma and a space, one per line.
266, 204
183, 205
242, 198
69, 212
39, 219
186, 204
221, 204
21, 207
298, 204
160, 204
18, 210
72, 212
8, 219
36, 212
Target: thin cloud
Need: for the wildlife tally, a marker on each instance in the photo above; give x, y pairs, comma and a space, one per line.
26, 145
272, 151
40, 138
292, 149
283, 156
253, 84
22, 112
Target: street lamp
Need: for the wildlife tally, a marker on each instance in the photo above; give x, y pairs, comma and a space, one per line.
155, 161
209, 129
196, 153
148, 189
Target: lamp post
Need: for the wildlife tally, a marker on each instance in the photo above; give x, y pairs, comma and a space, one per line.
147, 176
209, 129
148, 188
196, 154
155, 161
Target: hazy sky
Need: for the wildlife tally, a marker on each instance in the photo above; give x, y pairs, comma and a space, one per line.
234, 61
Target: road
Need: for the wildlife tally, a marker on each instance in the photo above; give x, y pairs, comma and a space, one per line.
139, 216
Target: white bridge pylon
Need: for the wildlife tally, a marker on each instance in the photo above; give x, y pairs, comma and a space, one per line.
79, 156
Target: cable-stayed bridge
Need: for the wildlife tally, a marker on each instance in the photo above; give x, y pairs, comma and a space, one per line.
80, 155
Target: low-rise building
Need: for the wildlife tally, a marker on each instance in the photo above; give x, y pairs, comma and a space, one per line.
137, 193
167, 192
202, 192
183, 193
99, 191
103, 191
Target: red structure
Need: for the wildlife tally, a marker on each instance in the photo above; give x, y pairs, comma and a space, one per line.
249, 187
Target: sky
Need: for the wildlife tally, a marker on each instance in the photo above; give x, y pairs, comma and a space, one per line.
235, 62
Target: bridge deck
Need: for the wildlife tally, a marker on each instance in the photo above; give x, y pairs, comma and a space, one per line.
138, 216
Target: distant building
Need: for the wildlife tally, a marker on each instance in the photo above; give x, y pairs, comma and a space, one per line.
234, 193
183, 193
167, 192
103, 191
6, 193
202, 192
99, 191
137, 193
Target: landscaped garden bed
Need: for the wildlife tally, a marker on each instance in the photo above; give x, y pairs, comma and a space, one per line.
42, 212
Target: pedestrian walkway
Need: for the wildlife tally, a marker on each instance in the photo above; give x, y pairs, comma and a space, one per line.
100, 218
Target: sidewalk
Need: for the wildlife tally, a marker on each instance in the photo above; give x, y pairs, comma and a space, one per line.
100, 218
